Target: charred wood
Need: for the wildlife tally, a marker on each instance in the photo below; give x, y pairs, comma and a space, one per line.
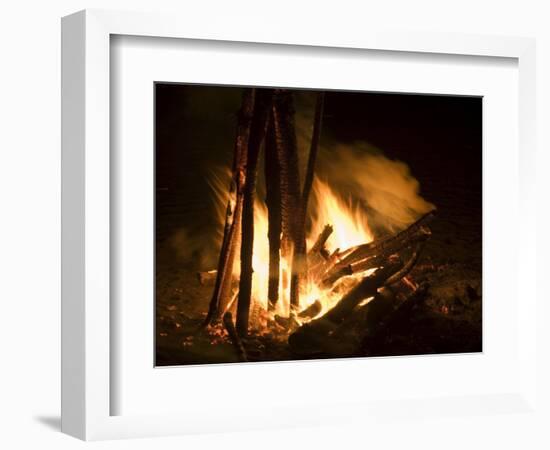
319, 244
313, 336
314, 148
273, 202
366, 288
300, 253
354, 263
408, 265
318, 256
386, 244
230, 243
311, 311
293, 235
257, 133
354, 268
322, 264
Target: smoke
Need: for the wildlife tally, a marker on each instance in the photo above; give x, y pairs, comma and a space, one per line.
362, 174
192, 246
385, 187
198, 244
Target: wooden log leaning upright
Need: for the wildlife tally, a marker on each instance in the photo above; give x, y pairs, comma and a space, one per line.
313, 150
264, 99
287, 154
232, 229
273, 201
301, 256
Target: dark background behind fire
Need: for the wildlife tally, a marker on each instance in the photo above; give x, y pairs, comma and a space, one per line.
438, 137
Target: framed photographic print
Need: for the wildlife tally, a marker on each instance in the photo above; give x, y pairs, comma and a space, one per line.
330, 249
265, 221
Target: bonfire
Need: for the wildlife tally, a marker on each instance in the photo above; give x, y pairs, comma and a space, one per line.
291, 273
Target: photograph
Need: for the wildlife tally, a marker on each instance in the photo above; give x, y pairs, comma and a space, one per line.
304, 224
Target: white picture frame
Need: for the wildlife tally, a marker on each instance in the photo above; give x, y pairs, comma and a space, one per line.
86, 219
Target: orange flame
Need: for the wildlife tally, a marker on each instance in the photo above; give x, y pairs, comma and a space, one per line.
350, 228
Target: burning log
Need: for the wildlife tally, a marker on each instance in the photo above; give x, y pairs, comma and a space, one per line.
373, 254
319, 246
382, 246
326, 266
315, 138
222, 288
300, 250
312, 337
308, 181
293, 236
257, 133
292, 322
341, 269
318, 256
234, 336
351, 269
311, 311
273, 202
366, 288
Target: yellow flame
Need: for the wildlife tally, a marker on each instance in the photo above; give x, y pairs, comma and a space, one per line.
350, 228
350, 224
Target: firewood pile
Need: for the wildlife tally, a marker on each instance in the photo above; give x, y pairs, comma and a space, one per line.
392, 258
371, 280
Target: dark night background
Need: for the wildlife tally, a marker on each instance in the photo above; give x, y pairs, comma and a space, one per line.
438, 137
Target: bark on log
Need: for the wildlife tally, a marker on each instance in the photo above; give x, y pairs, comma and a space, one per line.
257, 133
293, 237
300, 251
341, 269
417, 232
350, 269
383, 245
319, 244
273, 202
231, 237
